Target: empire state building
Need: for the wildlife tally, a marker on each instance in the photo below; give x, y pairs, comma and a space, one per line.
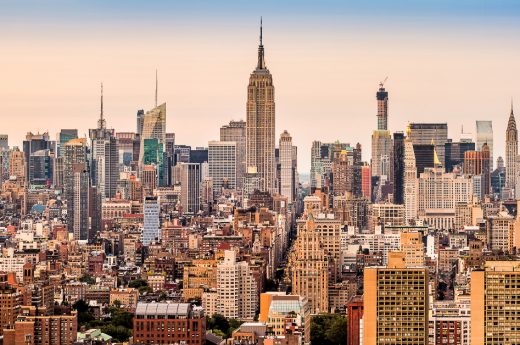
261, 124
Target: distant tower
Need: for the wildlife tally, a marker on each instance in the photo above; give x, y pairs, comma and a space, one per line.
511, 150
261, 123
382, 107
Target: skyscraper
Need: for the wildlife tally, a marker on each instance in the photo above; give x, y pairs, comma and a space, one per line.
222, 159
410, 188
104, 157
32, 144
153, 124
398, 161
382, 108
310, 267
511, 151
189, 176
287, 178
430, 134
236, 131
381, 163
261, 123
63, 137
381, 153
484, 131
75, 152
78, 219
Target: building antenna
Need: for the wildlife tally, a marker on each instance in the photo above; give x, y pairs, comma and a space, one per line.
156, 86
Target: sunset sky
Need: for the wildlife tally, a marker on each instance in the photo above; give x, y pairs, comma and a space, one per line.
446, 61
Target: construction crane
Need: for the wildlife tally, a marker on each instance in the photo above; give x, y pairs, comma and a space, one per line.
382, 83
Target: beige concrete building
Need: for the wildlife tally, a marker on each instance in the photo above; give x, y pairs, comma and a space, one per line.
395, 304
494, 304
310, 268
439, 192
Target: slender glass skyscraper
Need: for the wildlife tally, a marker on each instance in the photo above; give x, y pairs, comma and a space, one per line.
261, 123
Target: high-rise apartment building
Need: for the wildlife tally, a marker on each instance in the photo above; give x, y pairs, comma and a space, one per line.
395, 304
152, 222
78, 220
484, 135
236, 288
261, 123
310, 268
222, 160
287, 169
189, 176
236, 131
75, 152
511, 151
494, 303
430, 134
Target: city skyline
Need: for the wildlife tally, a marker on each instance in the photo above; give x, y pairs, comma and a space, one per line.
341, 46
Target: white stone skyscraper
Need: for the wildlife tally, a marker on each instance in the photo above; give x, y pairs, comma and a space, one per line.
287, 174
410, 180
261, 124
511, 151
236, 288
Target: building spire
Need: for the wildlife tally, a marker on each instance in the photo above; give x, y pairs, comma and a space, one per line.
512, 106
156, 86
101, 121
261, 62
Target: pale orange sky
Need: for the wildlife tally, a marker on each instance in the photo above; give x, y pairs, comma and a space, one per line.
325, 76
